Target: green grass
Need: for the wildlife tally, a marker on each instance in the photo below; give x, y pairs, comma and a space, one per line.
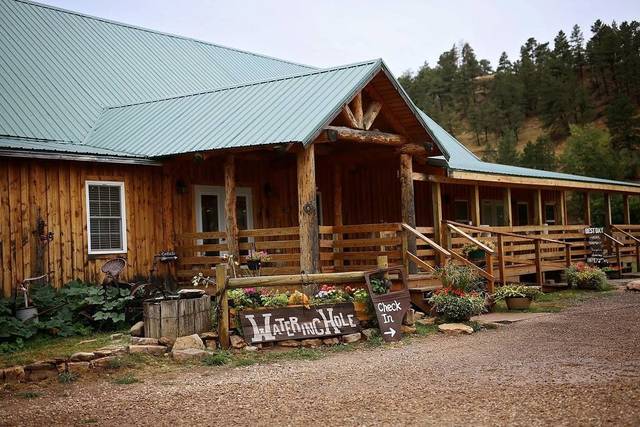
43, 347
553, 302
67, 377
29, 394
127, 379
217, 359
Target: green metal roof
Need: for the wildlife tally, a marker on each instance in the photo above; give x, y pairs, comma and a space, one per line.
460, 158
281, 110
59, 69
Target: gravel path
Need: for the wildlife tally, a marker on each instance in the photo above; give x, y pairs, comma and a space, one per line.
578, 367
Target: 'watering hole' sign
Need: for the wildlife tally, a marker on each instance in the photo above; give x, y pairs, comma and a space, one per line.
298, 323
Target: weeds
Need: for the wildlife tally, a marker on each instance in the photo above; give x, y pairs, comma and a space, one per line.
29, 394
127, 379
217, 359
67, 377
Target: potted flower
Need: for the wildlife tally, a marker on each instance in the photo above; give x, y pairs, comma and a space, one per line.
380, 285
456, 305
460, 277
362, 305
475, 253
517, 297
256, 258
329, 294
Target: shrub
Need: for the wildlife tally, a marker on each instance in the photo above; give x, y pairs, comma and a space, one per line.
584, 276
455, 305
516, 291
216, 359
460, 277
66, 377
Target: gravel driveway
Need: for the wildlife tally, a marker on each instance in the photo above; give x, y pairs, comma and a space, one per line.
578, 367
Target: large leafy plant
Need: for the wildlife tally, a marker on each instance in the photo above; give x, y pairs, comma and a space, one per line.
516, 291
455, 305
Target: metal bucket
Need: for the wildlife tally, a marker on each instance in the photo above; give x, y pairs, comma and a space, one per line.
24, 314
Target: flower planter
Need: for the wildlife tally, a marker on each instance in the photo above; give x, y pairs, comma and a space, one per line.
253, 265
28, 313
518, 303
477, 255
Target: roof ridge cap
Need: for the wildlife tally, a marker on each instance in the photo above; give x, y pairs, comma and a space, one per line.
247, 84
150, 30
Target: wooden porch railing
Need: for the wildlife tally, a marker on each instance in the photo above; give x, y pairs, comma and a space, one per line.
448, 229
630, 244
422, 251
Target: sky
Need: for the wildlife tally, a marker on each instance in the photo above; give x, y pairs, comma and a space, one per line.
405, 33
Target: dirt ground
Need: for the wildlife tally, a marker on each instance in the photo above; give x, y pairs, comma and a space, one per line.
577, 367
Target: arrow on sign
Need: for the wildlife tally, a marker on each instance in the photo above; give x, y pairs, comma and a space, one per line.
391, 332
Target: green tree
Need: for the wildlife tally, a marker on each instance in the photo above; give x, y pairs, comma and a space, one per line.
588, 152
623, 124
506, 152
539, 154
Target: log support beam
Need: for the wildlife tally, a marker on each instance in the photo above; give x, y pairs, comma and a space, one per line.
230, 206
626, 212
508, 215
340, 133
436, 205
562, 208
475, 205
607, 209
407, 202
357, 110
371, 114
537, 208
587, 208
308, 211
337, 209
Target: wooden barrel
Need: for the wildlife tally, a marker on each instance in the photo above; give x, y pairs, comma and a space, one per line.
177, 318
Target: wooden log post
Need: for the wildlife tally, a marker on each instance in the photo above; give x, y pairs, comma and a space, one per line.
539, 273
508, 215
626, 212
339, 133
230, 206
567, 255
337, 211
607, 210
475, 205
561, 208
637, 256
501, 263
491, 280
436, 205
308, 211
407, 202
357, 110
537, 208
223, 305
587, 207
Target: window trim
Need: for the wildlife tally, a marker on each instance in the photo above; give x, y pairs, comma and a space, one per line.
123, 222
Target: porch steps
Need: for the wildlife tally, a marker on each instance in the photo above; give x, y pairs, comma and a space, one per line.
420, 287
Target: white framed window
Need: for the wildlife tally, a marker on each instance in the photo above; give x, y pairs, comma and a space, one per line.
106, 217
492, 212
210, 208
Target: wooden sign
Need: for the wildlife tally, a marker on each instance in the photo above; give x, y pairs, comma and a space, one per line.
390, 307
595, 242
290, 323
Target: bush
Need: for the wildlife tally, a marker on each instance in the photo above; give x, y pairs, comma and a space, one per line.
516, 291
216, 359
583, 276
455, 305
460, 277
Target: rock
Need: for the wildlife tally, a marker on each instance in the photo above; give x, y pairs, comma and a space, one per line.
115, 337
211, 344
289, 343
311, 343
82, 357
188, 354
78, 367
455, 328
370, 333
426, 321
103, 362
409, 317
418, 315
137, 330
155, 350
13, 375
405, 329
330, 341
143, 341
40, 371
209, 336
189, 341
251, 348
351, 338
634, 286
237, 341
110, 351
167, 341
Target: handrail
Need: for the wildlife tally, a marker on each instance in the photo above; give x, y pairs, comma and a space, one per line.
618, 229
505, 233
427, 240
471, 238
613, 238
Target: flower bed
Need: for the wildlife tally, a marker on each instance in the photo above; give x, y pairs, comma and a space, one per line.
583, 276
455, 305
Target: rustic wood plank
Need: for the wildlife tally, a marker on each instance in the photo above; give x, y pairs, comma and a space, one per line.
5, 232
186, 317
169, 318
308, 211
231, 222
339, 133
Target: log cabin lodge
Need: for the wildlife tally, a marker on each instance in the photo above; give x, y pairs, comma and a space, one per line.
119, 141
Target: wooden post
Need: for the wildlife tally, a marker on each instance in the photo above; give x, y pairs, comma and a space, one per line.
567, 255
618, 259
537, 208
501, 263
625, 209
308, 211
508, 215
637, 257
607, 210
407, 201
436, 203
561, 208
475, 205
383, 261
405, 249
337, 210
539, 274
357, 110
223, 306
490, 282
230, 206
587, 208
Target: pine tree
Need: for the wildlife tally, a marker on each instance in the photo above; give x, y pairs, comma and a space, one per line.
539, 154
506, 153
623, 124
